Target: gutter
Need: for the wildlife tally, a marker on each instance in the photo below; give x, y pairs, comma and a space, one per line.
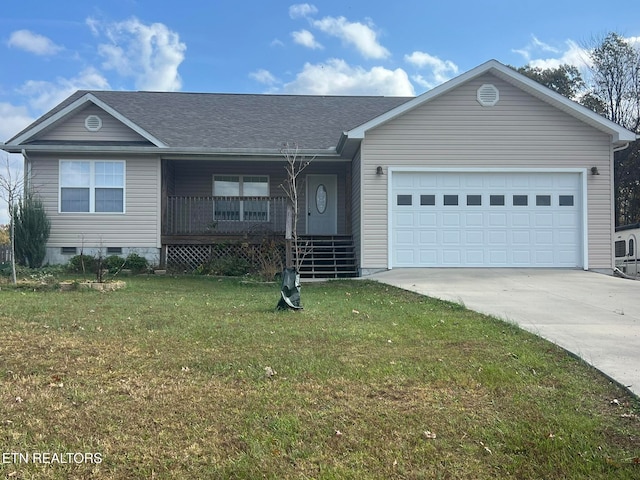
326, 153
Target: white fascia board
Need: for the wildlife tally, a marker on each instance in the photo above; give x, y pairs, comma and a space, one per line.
619, 134
89, 97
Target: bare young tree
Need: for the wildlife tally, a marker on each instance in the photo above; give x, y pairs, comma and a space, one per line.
295, 163
11, 186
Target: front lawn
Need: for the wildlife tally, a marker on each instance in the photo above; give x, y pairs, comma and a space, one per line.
196, 377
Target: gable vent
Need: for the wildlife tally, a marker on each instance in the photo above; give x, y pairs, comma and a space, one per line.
488, 95
93, 123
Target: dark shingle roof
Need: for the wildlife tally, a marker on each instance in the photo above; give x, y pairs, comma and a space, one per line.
208, 120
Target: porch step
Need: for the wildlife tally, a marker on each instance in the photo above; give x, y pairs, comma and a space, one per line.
329, 257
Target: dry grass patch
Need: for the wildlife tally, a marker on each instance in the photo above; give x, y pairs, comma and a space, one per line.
170, 378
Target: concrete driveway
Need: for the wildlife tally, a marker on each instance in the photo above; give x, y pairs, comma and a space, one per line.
594, 316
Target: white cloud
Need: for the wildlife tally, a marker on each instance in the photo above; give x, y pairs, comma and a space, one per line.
634, 41
14, 119
573, 54
306, 39
150, 54
440, 70
336, 77
536, 54
302, 10
45, 95
361, 36
263, 76
33, 43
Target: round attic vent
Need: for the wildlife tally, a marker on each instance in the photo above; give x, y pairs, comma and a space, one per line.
488, 95
93, 123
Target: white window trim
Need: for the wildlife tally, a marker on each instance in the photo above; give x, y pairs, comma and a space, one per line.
92, 187
241, 195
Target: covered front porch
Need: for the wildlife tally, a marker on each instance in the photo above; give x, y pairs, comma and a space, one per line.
230, 207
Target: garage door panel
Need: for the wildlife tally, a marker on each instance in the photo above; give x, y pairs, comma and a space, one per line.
473, 219
567, 238
427, 237
521, 257
451, 237
451, 219
475, 257
543, 220
496, 237
521, 237
405, 219
428, 219
521, 220
497, 220
448, 219
474, 237
543, 237
404, 237
497, 258
451, 257
428, 257
405, 256
567, 220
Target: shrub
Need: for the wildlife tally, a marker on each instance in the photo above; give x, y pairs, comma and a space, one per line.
114, 263
136, 263
82, 264
31, 230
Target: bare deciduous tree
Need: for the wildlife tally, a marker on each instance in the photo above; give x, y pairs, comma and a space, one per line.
615, 93
295, 163
11, 185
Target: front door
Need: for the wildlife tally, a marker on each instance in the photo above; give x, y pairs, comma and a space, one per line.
322, 204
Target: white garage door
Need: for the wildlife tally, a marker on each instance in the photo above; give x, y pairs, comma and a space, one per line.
486, 219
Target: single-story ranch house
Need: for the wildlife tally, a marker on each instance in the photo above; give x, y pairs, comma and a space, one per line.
490, 169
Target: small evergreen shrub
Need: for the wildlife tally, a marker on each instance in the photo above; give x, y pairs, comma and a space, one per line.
31, 230
114, 264
82, 264
136, 263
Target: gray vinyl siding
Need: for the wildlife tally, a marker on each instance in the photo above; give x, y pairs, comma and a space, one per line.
195, 178
455, 131
139, 227
73, 129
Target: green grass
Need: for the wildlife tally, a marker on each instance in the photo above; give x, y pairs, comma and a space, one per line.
166, 379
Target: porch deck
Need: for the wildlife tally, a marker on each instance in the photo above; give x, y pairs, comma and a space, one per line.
200, 229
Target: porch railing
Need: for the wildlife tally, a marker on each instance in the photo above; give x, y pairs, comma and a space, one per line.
224, 215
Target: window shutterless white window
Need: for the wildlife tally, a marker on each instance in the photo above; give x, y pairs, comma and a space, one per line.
243, 200
92, 186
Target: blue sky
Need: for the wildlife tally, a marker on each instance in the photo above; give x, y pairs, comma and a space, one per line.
50, 49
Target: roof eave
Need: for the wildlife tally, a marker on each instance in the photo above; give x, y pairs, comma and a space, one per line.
191, 151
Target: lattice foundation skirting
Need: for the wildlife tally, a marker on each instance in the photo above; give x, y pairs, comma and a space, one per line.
187, 258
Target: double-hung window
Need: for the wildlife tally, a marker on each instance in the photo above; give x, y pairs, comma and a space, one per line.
241, 198
92, 186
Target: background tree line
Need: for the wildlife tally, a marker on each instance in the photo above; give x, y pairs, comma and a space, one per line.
610, 87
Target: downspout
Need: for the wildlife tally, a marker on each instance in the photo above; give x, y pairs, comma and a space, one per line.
27, 171
622, 147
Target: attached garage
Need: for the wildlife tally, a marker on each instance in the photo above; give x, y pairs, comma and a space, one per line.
487, 218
